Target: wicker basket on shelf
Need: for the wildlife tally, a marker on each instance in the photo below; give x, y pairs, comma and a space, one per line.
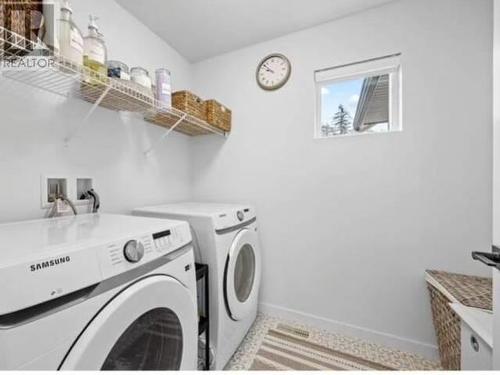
22, 17
218, 115
189, 103
445, 288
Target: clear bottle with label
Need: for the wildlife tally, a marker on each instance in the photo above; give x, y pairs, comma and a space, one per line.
70, 39
51, 15
94, 51
163, 88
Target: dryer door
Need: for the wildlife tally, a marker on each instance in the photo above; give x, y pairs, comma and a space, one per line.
151, 325
242, 275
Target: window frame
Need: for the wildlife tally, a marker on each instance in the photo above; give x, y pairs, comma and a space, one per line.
386, 65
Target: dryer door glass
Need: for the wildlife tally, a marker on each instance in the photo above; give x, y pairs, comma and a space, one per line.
244, 272
242, 275
152, 342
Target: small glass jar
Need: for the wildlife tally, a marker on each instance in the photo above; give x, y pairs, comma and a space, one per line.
117, 69
141, 76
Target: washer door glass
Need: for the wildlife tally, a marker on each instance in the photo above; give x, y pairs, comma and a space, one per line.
242, 275
152, 342
150, 325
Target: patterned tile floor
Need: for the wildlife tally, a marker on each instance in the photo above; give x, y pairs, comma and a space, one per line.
243, 357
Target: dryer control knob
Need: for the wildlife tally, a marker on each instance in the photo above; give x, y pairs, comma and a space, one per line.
240, 215
133, 251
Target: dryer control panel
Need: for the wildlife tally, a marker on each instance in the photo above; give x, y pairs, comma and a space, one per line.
234, 218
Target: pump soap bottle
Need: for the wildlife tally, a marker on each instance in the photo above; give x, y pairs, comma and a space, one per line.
70, 39
95, 53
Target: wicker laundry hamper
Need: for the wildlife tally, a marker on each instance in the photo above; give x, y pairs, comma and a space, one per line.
445, 288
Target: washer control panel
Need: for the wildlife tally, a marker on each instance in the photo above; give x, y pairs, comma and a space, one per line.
121, 256
163, 240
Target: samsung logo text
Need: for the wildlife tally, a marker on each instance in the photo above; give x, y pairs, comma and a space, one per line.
49, 263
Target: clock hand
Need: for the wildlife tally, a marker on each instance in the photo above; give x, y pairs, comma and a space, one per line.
268, 69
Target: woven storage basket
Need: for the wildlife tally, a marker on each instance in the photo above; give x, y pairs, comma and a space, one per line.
445, 288
22, 17
189, 103
218, 115
447, 326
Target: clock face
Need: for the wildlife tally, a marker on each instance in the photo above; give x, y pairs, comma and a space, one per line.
273, 72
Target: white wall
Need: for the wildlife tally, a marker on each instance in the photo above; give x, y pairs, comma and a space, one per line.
496, 180
349, 225
496, 128
109, 148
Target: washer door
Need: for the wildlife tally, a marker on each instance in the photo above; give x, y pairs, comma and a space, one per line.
151, 325
242, 275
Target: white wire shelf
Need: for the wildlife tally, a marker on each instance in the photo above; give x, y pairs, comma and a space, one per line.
180, 122
62, 77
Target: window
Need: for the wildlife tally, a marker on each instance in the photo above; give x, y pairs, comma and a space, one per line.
360, 98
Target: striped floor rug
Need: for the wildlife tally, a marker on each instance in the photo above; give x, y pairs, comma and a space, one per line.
282, 350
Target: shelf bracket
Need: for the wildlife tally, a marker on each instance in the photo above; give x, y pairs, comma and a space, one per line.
97, 103
68, 139
165, 135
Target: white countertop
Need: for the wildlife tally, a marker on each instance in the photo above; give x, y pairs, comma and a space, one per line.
480, 321
40, 238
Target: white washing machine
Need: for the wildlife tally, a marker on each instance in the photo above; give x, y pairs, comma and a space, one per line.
227, 240
96, 292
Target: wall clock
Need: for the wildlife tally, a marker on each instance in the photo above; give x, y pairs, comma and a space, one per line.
273, 72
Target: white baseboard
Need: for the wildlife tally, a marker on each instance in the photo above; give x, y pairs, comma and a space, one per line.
428, 351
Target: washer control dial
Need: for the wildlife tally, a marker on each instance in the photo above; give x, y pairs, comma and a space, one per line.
133, 251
